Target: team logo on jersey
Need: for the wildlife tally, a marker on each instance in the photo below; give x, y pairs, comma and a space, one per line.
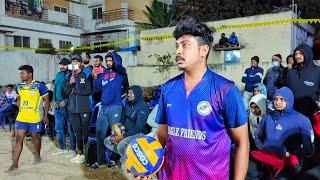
308, 83
104, 82
32, 92
279, 127
82, 81
204, 108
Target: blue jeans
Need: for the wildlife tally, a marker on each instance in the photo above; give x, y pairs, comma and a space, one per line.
61, 120
107, 117
122, 146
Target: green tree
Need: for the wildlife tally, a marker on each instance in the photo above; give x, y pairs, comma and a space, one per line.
164, 63
159, 14
210, 10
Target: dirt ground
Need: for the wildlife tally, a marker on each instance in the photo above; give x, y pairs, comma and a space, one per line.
51, 167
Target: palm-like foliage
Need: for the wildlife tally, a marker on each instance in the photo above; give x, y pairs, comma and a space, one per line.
159, 14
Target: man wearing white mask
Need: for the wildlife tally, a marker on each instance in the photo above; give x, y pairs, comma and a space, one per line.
78, 86
272, 75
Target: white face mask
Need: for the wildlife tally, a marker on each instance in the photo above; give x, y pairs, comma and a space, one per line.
73, 67
275, 64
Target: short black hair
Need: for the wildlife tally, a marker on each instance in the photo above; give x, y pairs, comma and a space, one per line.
27, 68
195, 28
290, 56
87, 54
10, 86
278, 55
256, 58
223, 33
76, 57
98, 57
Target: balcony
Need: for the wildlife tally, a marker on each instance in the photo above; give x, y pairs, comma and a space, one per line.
116, 18
21, 11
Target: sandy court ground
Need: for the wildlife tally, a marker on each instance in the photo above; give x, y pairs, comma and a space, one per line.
51, 167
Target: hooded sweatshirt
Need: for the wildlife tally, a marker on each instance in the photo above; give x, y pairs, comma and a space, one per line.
262, 88
121, 70
111, 83
304, 81
136, 114
261, 101
284, 131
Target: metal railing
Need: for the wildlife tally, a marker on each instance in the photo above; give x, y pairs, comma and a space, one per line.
118, 14
18, 11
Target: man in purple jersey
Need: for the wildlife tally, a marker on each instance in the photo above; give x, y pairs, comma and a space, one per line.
199, 113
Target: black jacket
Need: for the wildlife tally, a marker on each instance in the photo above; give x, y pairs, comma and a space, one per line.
304, 81
136, 114
79, 93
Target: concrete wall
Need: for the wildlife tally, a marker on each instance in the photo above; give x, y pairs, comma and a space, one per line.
36, 30
55, 38
262, 41
45, 66
89, 23
49, 4
112, 4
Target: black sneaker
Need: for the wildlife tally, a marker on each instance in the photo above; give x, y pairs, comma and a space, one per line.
111, 164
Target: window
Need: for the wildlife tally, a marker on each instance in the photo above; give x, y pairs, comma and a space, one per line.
60, 9
64, 44
21, 41
97, 13
44, 41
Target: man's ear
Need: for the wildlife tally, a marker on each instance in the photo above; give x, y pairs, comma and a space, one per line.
204, 50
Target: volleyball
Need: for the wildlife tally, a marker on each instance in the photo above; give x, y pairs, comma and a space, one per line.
144, 156
117, 129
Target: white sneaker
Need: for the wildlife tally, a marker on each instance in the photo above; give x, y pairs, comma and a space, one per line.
73, 160
70, 154
59, 152
80, 159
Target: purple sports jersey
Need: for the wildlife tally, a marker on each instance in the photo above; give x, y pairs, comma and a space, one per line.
198, 146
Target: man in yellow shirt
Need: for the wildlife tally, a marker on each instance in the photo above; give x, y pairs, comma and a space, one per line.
29, 97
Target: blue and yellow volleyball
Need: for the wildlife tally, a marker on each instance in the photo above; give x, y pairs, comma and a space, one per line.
144, 156
117, 129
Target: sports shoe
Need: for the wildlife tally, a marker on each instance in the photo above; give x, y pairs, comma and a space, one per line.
96, 166
111, 164
79, 159
72, 160
70, 154
59, 152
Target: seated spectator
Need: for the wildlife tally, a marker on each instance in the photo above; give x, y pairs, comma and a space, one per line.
282, 132
233, 40
259, 88
136, 114
258, 108
10, 94
155, 97
223, 40
3, 105
10, 111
